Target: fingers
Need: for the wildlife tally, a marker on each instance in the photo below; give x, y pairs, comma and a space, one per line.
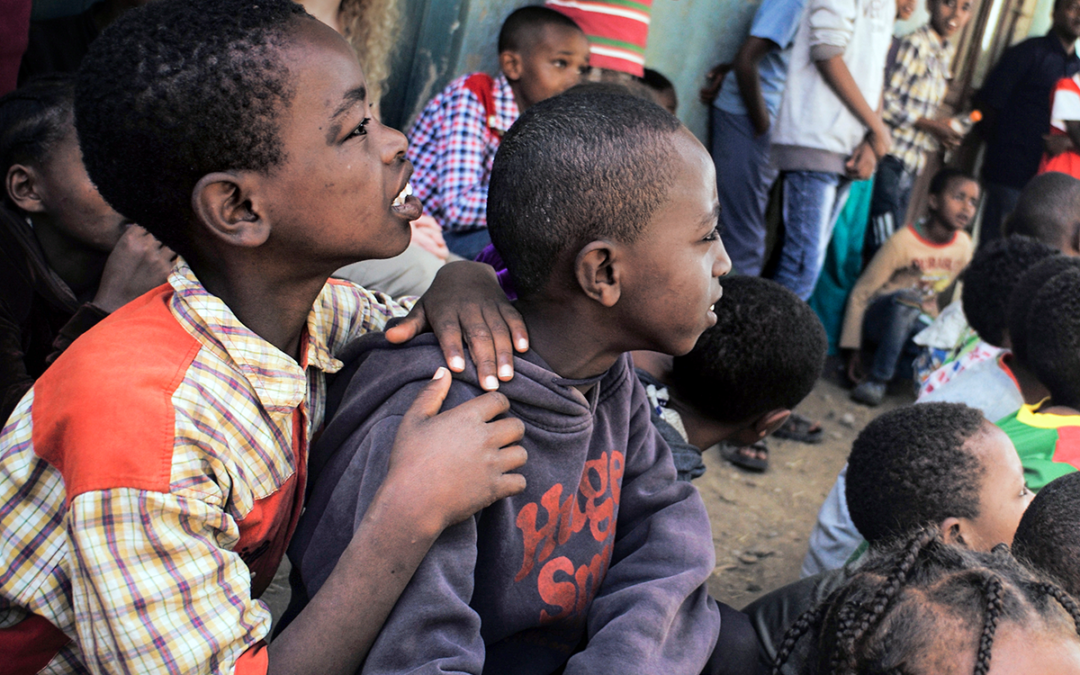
508, 485
486, 407
481, 338
403, 330
430, 399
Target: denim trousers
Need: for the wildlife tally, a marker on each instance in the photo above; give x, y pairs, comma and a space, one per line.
468, 243
889, 324
892, 192
744, 177
812, 201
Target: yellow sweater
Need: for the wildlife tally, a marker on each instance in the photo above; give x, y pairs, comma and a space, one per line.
907, 260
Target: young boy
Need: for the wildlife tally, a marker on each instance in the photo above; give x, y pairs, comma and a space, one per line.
1049, 210
452, 144
1048, 537
742, 379
915, 85
934, 464
67, 259
578, 571
902, 282
151, 479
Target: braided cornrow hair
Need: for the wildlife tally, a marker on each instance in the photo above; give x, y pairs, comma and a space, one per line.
880, 621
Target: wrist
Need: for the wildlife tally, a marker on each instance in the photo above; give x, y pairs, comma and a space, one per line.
397, 506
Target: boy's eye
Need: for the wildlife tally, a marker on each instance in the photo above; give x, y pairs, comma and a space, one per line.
560, 63
361, 129
712, 236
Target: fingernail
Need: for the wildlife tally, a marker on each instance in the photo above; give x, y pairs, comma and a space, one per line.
490, 383
439, 373
522, 344
506, 370
457, 362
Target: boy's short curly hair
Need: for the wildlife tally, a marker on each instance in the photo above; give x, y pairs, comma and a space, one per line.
1022, 295
33, 119
1049, 533
1047, 209
176, 90
1053, 337
765, 352
520, 30
989, 281
911, 467
591, 163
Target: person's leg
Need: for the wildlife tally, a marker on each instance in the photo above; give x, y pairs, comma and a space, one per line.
884, 205
738, 650
810, 199
743, 179
999, 202
467, 244
888, 325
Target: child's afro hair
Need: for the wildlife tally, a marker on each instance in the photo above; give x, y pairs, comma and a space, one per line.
911, 467
521, 29
1048, 209
594, 162
178, 89
1053, 337
989, 281
765, 352
1022, 295
1049, 533
33, 119
944, 177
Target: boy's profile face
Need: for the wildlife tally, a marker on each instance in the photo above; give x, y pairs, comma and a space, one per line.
1003, 496
957, 203
554, 61
948, 17
330, 201
671, 279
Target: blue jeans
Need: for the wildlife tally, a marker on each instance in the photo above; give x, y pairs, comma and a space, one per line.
889, 324
812, 201
467, 244
743, 179
892, 192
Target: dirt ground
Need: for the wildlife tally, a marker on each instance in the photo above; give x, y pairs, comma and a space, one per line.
761, 522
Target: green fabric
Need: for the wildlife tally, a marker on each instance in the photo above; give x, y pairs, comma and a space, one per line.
843, 262
1036, 448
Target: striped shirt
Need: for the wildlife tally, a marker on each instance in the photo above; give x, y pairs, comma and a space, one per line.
1048, 444
617, 30
914, 89
151, 480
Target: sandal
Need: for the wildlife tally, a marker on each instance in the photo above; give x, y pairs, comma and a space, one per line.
750, 457
801, 429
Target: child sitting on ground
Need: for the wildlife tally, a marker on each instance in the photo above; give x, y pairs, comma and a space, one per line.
933, 464
67, 259
452, 144
1048, 537
600, 565
742, 379
151, 479
902, 283
1047, 433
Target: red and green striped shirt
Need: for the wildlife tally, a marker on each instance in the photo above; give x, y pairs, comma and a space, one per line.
1048, 445
617, 30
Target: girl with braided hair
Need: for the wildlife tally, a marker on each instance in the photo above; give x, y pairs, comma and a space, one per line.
924, 606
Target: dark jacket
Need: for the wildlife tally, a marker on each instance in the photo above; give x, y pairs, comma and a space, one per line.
603, 547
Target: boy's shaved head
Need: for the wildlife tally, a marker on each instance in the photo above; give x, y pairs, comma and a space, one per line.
179, 89
523, 26
593, 163
1049, 532
1048, 210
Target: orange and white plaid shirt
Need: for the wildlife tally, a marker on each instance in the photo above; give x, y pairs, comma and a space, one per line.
151, 480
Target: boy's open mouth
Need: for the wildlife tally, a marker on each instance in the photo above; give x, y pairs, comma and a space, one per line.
405, 192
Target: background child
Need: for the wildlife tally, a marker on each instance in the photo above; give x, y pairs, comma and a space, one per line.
67, 259
663, 90
453, 142
742, 379
939, 464
903, 281
915, 86
1048, 209
599, 279
1048, 537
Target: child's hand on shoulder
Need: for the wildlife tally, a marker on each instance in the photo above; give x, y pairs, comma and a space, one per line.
466, 300
447, 466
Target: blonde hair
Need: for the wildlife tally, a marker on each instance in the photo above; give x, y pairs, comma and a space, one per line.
372, 28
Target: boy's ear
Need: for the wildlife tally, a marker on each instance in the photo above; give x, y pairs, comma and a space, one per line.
597, 271
22, 188
952, 531
933, 202
771, 421
227, 205
511, 64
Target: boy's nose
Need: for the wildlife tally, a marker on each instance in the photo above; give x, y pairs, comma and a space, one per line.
722, 264
394, 145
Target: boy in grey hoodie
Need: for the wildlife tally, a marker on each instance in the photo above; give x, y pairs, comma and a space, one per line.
600, 565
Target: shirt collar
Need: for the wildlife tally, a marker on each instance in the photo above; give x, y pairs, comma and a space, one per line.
506, 109
276, 378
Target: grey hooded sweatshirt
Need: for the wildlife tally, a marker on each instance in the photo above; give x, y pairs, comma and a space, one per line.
599, 566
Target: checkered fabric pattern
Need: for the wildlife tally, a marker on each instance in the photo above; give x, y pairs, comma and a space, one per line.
914, 89
151, 581
452, 149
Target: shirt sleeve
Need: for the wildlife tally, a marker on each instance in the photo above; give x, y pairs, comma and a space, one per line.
905, 73
1066, 107
777, 21
832, 25
156, 591
460, 166
885, 262
353, 311
653, 613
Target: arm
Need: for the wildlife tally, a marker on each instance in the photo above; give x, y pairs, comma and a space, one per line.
460, 172
838, 77
653, 613
746, 74
998, 88
904, 76
885, 262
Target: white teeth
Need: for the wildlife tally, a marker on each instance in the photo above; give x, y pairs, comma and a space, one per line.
405, 192
712, 308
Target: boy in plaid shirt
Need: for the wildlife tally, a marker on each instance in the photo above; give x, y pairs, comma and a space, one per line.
914, 88
452, 145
